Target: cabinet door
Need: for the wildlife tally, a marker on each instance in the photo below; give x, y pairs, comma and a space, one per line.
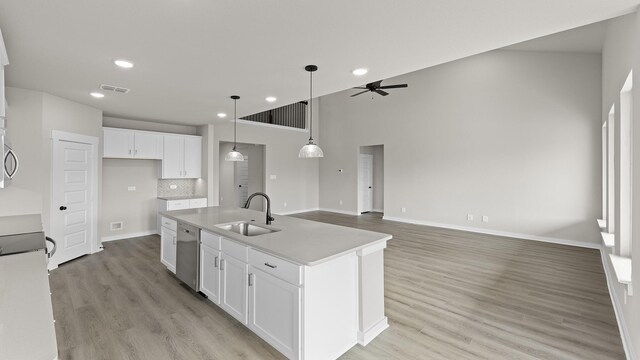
168, 248
192, 157
118, 143
234, 280
147, 145
274, 312
210, 273
173, 157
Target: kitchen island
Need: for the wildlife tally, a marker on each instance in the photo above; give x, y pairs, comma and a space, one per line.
311, 290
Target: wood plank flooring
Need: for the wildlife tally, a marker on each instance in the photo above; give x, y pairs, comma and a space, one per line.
448, 295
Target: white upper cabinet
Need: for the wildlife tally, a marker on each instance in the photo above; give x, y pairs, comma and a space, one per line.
4, 61
182, 157
132, 144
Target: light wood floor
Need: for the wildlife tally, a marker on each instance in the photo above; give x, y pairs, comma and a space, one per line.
449, 295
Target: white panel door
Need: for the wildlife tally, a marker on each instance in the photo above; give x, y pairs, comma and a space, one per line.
210, 273
274, 312
168, 248
241, 180
173, 157
147, 146
118, 143
192, 157
366, 182
233, 294
72, 195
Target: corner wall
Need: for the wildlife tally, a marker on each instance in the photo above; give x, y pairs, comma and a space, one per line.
511, 135
620, 56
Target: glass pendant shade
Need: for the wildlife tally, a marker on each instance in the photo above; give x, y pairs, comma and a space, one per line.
234, 155
310, 150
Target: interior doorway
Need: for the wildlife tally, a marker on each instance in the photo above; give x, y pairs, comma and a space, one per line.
371, 179
239, 179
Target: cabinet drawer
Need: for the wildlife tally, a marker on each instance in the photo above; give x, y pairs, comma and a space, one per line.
197, 203
177, 205
209, 239
169, 224
283, 269
234, 249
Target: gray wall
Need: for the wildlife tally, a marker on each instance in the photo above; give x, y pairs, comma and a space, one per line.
512, 135
619, 57
136, 209
296, 180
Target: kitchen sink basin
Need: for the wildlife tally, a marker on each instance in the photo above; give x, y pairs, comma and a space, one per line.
246, 229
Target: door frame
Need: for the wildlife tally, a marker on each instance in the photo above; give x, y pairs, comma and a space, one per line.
360, 185
358, 165
57, 135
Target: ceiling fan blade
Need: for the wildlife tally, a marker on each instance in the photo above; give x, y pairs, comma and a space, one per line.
361, 88
383, 93
375, 84
394, 86
362, 92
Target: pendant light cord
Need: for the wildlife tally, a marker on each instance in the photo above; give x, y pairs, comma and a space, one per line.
235, 119
311, 106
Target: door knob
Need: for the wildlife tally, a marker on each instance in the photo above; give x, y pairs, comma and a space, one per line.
63, 208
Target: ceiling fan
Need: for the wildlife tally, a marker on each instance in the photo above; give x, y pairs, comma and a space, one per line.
377, 87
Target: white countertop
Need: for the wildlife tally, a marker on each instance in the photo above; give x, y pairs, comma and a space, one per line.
302, 241
177, 197
20, 224
26, 315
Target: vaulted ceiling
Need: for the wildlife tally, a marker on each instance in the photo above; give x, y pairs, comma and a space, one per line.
190, 55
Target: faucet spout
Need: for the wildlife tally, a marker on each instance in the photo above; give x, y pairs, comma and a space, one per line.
269, 217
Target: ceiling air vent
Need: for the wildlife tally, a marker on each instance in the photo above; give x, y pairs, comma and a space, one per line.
112, 88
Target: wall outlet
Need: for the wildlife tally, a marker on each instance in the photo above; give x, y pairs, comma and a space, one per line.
404, 210
131, 188
340, 202
285, 204
116, 226
470, 217
273, 177
485, 218
173, 186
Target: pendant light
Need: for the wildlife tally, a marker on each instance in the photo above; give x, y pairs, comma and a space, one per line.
311, 150
234, 155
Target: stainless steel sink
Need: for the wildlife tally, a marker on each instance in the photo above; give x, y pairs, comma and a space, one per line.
246, 229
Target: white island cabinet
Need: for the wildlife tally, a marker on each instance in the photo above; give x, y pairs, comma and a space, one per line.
310, 290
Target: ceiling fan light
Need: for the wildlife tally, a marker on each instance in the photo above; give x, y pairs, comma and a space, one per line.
310, 150
234, 155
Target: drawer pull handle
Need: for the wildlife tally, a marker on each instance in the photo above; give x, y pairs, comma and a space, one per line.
271, 266
215, 262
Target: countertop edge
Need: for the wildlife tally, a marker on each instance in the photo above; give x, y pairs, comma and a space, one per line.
232, 236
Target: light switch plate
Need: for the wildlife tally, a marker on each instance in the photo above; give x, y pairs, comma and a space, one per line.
272, 177
131, 188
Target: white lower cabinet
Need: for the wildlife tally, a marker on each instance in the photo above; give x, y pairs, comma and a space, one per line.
274, 311
168, 239
234, 275
210, 273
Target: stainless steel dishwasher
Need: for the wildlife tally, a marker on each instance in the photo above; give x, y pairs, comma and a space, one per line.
187, 257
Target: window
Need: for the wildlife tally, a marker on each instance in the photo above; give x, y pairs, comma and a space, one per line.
611, 173
625, 181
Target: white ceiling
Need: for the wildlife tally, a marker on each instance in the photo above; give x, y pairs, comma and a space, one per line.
191, 55
587, 39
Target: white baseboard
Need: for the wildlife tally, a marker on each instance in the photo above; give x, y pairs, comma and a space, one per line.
346, 212
378, 210
295, 211
364, 337
497, 233
129, 235
617, 309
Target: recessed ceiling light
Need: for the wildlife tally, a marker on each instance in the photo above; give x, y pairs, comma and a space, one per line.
125, 64
360, 71
97, 95
270, 99
222, 115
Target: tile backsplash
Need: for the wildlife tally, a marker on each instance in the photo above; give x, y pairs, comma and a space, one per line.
183, 187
